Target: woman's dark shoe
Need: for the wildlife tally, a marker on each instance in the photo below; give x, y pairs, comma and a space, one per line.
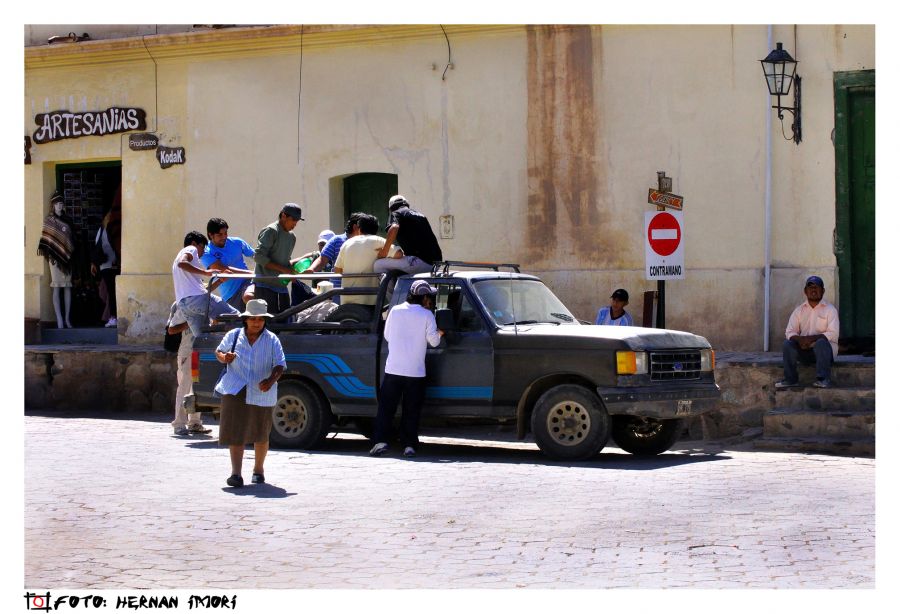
258, 478
235, 480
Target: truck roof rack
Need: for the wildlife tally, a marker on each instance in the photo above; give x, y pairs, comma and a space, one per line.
443, 268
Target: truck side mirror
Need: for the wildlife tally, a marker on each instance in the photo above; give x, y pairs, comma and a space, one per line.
444, 318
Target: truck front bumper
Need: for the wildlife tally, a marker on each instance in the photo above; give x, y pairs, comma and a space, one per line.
651, 402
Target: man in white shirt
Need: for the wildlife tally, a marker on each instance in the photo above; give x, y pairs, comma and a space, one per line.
358, 255
811, 337
191, 296
409, 330
184, 423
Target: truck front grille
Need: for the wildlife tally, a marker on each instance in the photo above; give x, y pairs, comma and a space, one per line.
668, 366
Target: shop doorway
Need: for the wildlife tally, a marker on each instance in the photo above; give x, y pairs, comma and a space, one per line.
854, 141
369, 193
93, 197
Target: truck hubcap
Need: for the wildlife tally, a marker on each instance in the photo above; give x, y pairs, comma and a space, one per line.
290, 416
568, 423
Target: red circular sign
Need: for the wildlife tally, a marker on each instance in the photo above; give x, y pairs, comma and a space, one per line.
664, 233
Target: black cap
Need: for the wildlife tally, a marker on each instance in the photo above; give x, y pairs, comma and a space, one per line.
620, 294
293, 210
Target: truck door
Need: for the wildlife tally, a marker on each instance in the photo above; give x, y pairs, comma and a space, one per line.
460, 375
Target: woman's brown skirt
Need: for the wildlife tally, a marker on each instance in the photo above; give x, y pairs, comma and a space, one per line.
241, 423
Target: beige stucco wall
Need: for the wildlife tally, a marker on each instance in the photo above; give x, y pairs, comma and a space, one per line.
560, 188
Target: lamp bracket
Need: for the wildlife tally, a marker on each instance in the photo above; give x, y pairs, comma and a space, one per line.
794, 110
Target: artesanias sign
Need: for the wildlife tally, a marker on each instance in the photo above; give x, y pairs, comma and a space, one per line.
60, 125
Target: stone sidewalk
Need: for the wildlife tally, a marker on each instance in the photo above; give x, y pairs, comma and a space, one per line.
120, 503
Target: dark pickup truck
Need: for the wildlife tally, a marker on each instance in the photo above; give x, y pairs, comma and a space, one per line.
513, 353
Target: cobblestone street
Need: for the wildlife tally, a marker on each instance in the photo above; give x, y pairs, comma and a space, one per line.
116, 503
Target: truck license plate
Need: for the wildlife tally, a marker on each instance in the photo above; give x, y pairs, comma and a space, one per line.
683, 408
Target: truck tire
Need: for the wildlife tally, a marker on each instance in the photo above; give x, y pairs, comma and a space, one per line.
645, 436
351, 313
301, 418
569, 422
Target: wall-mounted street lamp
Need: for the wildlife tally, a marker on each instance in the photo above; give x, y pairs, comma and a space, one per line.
779, 68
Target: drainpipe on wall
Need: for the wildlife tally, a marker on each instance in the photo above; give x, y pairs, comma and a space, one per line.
768, 214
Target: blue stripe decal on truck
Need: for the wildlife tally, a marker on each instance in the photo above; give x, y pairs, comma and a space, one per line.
459, 392
351, 387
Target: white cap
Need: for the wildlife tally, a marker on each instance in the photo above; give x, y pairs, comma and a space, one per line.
325, 236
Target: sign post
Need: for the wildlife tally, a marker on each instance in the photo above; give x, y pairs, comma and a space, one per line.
664, 247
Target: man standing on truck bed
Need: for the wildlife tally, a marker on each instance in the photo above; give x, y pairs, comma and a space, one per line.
412, 232
409, 329
274, 247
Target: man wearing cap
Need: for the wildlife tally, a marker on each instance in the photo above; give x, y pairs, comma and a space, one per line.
324, 237
411, 231
274, 247
299, 290
410, 328
226, 254
811, 336
615, 314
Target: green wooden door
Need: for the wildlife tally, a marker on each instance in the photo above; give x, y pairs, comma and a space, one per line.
855, 232
369, 193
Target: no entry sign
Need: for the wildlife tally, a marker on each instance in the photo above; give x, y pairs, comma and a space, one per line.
664, 245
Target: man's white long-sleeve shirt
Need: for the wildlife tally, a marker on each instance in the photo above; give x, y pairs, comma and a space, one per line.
409, 330
819, 320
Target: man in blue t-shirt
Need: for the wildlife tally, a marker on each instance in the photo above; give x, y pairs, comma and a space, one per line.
615, 314
226, 254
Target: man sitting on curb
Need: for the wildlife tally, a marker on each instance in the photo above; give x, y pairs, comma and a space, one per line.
811, 337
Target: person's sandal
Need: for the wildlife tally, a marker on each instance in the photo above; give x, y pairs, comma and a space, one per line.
235, 480
258, 478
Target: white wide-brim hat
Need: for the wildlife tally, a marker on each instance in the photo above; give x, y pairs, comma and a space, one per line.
257, 308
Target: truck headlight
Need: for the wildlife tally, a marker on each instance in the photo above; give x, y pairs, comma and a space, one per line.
707, 360
631, 363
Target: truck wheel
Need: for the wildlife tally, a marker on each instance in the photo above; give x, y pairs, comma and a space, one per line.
569, 422
645, 436
351, 313
300, 418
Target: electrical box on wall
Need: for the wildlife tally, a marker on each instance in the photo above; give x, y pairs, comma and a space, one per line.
446, 226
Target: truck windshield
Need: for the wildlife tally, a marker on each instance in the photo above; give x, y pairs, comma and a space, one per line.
521, 301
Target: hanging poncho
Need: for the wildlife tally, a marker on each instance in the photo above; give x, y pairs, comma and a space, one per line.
57, 243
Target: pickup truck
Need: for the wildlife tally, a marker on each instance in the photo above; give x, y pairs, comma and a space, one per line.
513, 353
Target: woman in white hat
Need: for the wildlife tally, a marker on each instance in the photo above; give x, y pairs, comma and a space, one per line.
254, 362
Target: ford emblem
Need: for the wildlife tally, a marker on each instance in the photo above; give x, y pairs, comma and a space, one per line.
677, 367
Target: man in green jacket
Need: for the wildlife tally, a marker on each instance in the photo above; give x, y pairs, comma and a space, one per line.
274, 247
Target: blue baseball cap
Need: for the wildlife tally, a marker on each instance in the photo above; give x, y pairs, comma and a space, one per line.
814, 279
